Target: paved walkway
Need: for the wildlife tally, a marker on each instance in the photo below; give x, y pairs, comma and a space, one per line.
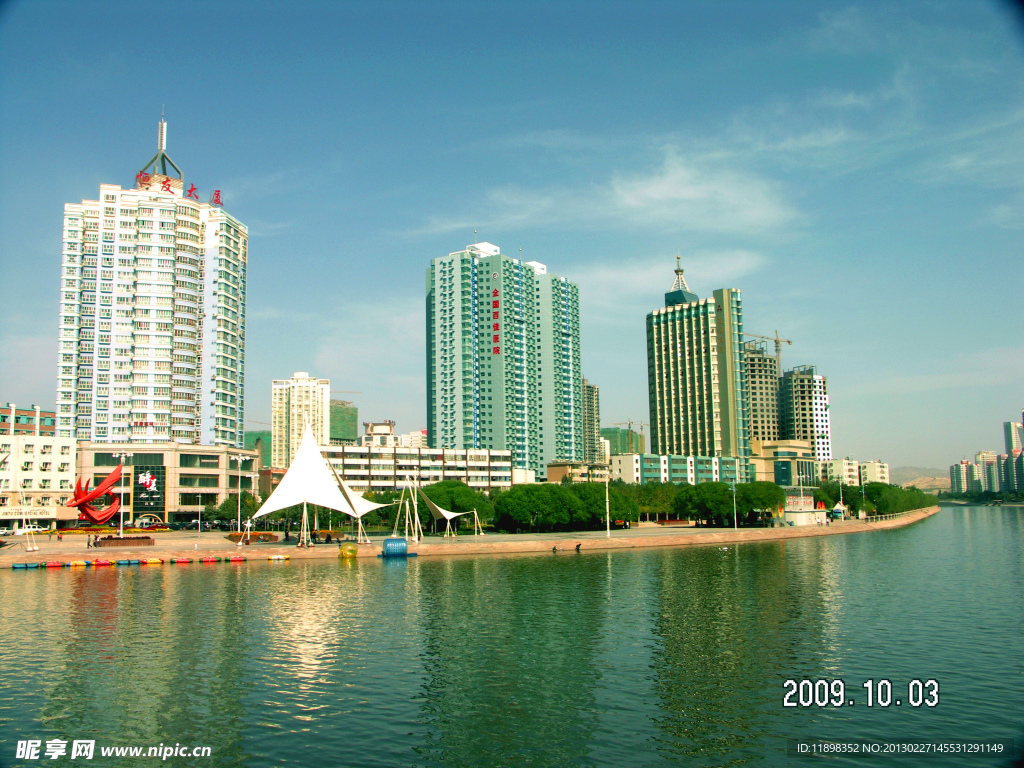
190, 544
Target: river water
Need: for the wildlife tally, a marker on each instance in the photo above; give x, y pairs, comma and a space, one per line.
645, 657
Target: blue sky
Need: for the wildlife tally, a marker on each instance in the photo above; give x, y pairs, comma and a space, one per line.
857, 170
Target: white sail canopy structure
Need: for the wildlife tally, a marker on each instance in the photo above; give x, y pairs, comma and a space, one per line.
308, 479
360, 504
435, 511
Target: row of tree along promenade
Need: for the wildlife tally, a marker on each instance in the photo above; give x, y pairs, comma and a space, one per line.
551, 508
581, 506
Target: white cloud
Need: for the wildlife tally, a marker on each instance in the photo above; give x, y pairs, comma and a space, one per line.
635, 285
1009, 214
979, 370
684, 193
845, 30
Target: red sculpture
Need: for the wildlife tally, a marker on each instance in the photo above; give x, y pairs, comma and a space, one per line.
84, 497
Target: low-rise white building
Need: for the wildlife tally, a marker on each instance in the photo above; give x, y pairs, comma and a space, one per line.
385, 468
874, 472
37, 478
845, 470
382, 433
654, 468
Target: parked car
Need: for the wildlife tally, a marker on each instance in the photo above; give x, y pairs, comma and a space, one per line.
29, 529
6, 531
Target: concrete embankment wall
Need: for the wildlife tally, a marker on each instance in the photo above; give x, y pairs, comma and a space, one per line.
694, 537
496, 544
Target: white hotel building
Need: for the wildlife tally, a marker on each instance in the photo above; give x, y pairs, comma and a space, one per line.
152, 314
295, 402
37, 477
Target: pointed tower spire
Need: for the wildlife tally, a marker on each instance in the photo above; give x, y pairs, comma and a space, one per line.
155, 171
680, 282
161, 134
680, 293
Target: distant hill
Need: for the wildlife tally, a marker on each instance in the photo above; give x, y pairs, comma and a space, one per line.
903, 475
928, 483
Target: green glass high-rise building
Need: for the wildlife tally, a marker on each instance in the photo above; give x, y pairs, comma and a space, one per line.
696, 377
622, 440
344, 423
503, 358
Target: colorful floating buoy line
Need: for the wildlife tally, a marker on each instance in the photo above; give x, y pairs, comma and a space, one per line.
140, 561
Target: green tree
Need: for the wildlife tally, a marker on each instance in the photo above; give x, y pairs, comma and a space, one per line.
758, 501
591, 507
823, 497
456, 496
684, 503
516, 508
228, 509
711, 503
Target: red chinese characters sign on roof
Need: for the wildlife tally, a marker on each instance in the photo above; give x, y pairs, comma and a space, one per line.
147, 181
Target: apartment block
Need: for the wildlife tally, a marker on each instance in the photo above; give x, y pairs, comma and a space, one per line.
152, 314
294, 403
503, 358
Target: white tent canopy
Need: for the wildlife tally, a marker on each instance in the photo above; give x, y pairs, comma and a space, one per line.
308, 479
436, 512
360, 504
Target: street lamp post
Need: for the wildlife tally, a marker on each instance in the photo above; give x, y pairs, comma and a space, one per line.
238, 458
607, 504
735, 523
121, 457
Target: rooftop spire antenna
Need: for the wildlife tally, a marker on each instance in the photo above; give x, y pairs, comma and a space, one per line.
159, 162
680, 281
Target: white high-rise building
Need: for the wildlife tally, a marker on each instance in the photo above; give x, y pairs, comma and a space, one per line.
804, 410
1013, 436
295, 402
152, 314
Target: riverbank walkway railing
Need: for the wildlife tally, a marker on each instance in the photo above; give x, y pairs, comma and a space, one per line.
894, 516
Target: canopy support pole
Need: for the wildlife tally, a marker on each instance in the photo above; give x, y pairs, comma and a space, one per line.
304, 539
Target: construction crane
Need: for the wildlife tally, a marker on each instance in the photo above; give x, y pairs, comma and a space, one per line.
345, 392
629, 425
778, 346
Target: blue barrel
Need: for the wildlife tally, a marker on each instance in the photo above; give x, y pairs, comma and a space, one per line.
396, 548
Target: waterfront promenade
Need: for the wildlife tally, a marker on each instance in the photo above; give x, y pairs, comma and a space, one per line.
214, 544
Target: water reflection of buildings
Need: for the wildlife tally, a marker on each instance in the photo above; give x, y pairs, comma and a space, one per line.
726, 623
509, 649
142, 655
